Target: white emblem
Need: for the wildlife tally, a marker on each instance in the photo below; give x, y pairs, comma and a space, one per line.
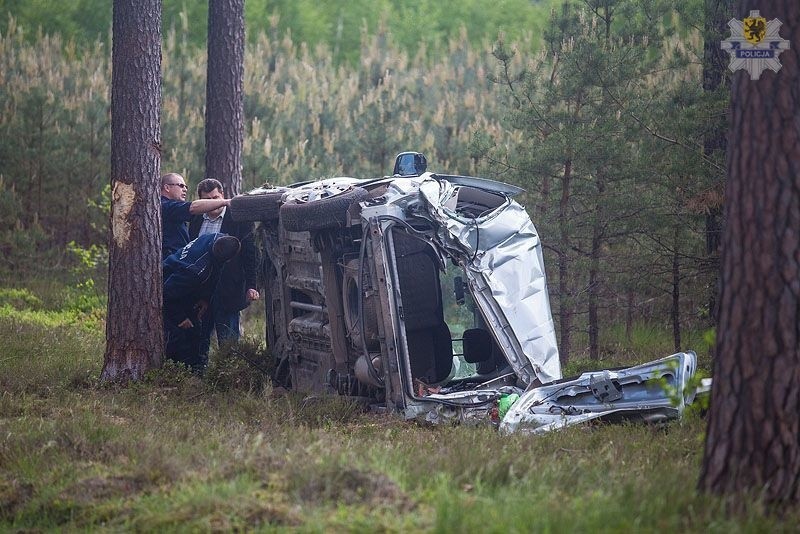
754, 45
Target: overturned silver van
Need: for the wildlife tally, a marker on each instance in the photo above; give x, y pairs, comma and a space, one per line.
425, 294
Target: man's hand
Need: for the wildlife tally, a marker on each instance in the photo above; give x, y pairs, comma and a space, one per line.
252, 294
185, 324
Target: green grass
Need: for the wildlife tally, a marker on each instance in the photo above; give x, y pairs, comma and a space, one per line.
176, 453
644, 343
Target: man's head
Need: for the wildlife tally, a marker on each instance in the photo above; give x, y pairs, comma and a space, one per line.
213, 189
224, 248
173, 186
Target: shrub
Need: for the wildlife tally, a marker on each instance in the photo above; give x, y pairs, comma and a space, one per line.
245, 365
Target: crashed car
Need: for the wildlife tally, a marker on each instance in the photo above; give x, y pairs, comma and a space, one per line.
425, 294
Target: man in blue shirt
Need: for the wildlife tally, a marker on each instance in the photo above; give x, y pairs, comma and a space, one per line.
176, 212
190, 277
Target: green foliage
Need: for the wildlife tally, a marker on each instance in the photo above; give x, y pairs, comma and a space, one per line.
80, 311
611, 153
19, 298
55, 147
92, 262
246, 365
337, 25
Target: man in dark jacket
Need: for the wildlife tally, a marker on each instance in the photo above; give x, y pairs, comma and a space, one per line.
237, 283
176, 212
190, 277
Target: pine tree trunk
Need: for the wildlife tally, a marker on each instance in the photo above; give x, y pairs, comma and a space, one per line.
564, 296
753, 438
676, 290
594, 270
134, 331
224, 93
715, 66
629, 309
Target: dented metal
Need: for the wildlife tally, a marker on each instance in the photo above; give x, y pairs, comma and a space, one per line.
653, 392
365, 307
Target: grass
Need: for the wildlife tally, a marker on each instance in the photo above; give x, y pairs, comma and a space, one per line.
176, 453
644, 343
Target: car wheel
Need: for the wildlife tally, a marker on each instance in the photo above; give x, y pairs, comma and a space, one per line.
257, 205
320, 208
351, 293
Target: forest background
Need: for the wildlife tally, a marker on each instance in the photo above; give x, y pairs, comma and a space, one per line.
597, 109
610, 113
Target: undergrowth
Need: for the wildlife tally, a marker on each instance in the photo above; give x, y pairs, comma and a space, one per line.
232, 452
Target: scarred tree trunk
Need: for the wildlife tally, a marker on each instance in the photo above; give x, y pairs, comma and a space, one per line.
224, 90
753, 438
134, 332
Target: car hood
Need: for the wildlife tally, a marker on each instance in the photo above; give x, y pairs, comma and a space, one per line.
654, 391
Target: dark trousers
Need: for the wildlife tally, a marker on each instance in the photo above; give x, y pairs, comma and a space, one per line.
183, 344
224, 323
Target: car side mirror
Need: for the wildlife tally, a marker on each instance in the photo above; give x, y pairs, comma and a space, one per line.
410, 164
458, 290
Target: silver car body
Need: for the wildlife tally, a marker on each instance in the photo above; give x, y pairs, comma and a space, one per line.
397, 246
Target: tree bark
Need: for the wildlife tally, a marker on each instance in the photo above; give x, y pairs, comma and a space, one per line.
676, 288
629, 309
594, 268
715, 67
753, 438
224, 93
134, 331
564, 293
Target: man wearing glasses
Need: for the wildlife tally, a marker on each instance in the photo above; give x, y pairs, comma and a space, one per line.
176, 212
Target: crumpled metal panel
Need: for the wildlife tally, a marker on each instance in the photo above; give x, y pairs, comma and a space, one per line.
504, 252
653, 391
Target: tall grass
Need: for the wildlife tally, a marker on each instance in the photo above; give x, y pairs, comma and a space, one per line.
176, 453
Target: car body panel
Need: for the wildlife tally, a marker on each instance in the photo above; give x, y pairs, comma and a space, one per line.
653, 391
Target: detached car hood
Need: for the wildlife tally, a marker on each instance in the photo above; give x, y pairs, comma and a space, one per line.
654, 391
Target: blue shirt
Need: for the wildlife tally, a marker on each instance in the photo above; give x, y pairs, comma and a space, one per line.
175, 231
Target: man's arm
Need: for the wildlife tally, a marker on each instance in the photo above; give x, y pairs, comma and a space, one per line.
249, 259
204, 205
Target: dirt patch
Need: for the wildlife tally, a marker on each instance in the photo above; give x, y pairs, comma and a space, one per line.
351, 486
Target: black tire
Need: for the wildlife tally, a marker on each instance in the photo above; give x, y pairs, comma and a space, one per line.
257, 206
351, 292
329, 212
